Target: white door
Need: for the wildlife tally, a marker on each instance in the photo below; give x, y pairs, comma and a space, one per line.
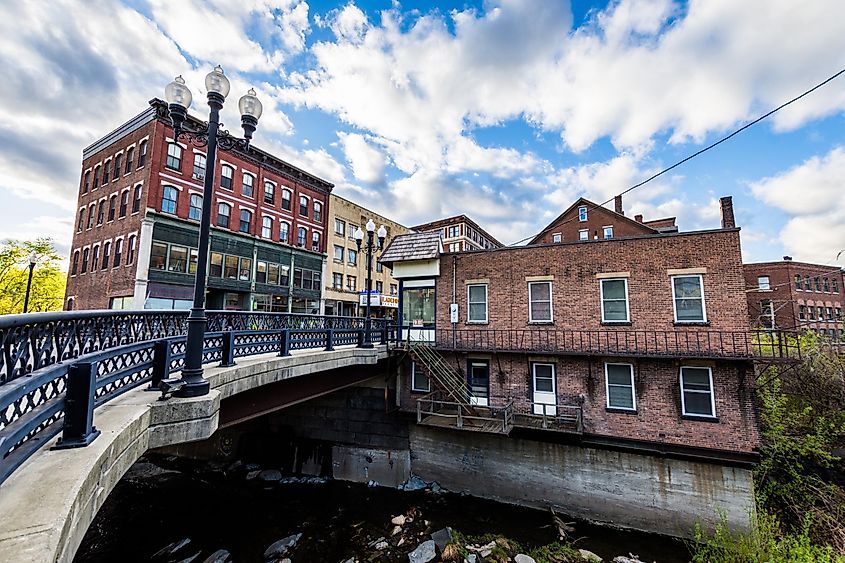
479, 383
543, 393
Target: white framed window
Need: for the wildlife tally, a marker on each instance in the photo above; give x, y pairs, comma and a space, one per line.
557, 237
763, 283
582, 213
267, 227
614, 300
477, 303
688, 298
339, 227
540, 302
338, 253
199, 166
284, 228
247, 187
584, 234
608, 231
227, 177
174, 157
352, 257
697, 398
419, 381
619, 385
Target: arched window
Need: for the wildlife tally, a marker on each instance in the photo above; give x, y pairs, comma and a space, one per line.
101, 210
87, 182
318, 211
75, 266
315, 241
112, 208
223, 212
227, 173
284, 230
118, 250
301, 236
168, 199
303, 206
130, 252
69, 304
95, 257
118, 160
247, 186
106, 172
136, 200
286, 194
96, 177
142, 154
246, 220
81, 224
269, 193
174, 157
130, 155
92, 209
199, 166
106, 255
195, 211
267, 227
124, 203
85, 255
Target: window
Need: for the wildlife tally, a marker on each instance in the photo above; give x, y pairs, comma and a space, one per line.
689, 299
315, 241
318, 211
798, 285
118, 251
540, 302
124, 203
338, 253
85, 255
269, 193
477, 303
101, 210
826, 285
763, 283
351, 283
454, 247
453, 231
828, 311
106, 255
260, 272
767, 313
193, 258
174, 157
352, 257
91, 210
286, 194
834, 286
619, 379
227, 177
246, 189
86, 183
608, 232
284, 275
582, 213
195, 210
818, 281
584, 234
117, 162
230, 267
106, 172
215, 265
199, 166
808, 286
802, 312
75, 267
351, 231
284, 229
614, 300
245, 269
95, 257
301, 235
273, 274
130, 155
339, 227
303, 206
394, 289
178, 259
142, 154
224, 210
246, 220
419, 380
96, 178
811, 312
557, 237
379, 267
136, 201
130, 253
697, 392
380, 287
337, 281
81, 223
267, 227
168, 200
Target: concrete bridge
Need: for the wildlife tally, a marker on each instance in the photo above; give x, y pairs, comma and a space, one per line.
50, 495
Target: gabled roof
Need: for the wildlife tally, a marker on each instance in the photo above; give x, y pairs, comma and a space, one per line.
661, 224
582, 201
451, 221
412, 246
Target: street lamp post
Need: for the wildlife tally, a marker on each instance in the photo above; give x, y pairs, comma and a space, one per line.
33, 258
359, 238
179, 98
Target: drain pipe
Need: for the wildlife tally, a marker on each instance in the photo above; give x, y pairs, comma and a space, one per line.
454, 297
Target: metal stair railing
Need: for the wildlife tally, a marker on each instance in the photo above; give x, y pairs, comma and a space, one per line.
443, 374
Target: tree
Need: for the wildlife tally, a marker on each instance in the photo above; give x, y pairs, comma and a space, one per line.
48, 282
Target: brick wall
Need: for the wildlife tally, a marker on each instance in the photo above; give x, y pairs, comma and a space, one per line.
597, 218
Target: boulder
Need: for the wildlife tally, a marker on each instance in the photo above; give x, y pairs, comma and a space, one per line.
589, 556
424, 553
280, 548
398, 520
396, 530
520, 558
252, 474
270, 475
381, 545
414, 484
442, 537
471, 558
630, 559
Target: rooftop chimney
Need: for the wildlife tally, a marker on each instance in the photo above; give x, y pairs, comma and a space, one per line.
617, 202
638, 218
727, 204
787, 258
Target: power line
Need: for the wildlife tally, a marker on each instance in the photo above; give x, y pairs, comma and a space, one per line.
708, 147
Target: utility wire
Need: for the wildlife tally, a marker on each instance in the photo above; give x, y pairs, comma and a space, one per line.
708, 147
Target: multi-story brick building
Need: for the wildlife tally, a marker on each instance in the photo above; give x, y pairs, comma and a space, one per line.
346, 280
460, 233
137, 225
796, 295
585, 220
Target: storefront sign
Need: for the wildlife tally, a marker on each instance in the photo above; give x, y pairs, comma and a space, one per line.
374, 299
390, 301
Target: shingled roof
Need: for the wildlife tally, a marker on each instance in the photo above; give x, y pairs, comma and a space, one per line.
412, 246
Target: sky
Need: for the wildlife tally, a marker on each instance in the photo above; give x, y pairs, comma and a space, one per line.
505, 110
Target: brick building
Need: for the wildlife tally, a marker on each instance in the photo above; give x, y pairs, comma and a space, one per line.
346, 279
796, 295
137, 225
640, 343
585, 220
460, 233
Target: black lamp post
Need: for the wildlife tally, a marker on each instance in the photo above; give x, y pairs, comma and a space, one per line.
33, 258
359, 237
179, 97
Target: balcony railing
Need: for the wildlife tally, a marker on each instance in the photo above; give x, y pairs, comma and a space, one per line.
625, 343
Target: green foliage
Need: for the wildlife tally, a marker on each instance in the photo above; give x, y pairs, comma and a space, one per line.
48, 282
506, 548
556, 553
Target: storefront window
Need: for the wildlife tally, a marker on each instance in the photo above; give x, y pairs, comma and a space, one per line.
273, 274
245, 269
261, 272
418, 306
158, 256
230, 270
215, 268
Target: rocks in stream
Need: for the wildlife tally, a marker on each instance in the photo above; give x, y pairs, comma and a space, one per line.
521, 558
424, 552
219, 556
270, 475
442, 538
630, 559
589, 556
280, 548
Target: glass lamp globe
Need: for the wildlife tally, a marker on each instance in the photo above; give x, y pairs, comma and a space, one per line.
178, 93
371, 227
359, 234
216, 81
250, 105
382, 232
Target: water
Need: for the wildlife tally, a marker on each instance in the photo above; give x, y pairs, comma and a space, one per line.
216, 509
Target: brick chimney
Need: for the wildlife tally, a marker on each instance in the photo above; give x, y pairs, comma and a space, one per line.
787, 258
617, 202
727, 204
638, 218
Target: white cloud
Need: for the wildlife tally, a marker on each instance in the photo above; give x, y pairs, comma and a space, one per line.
367, 162
812, 195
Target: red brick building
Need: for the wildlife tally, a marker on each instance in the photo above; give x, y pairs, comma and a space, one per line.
137, 224
460, 233
638, 342
796, 295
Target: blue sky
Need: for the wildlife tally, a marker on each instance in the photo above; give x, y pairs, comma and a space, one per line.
506, 110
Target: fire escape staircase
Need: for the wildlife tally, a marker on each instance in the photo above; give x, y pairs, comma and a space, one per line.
451, 404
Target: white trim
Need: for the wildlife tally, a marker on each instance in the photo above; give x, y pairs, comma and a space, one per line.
315, 226
486, 301
685, 271
142, 139
190, 182
171, 140
127, 147
119, 153
612, 275
248, 173
247, 205
265, 213
164, 185
674, 302
559, 235
627, 318
586, 231
418, 283
197, 151
268, 181
534, 392
551, 318
712, 393
413, 374
229, 164
607, 386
